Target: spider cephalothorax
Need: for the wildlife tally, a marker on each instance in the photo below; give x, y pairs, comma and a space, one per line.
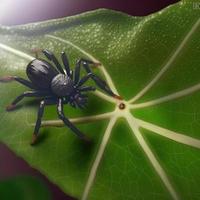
62, 85
56, 86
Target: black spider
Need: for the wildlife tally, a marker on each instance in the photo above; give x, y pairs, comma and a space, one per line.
57, 86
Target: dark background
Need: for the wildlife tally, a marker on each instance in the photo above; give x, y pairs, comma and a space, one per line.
13, 12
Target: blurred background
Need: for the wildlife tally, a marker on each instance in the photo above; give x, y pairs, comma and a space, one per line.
17, 179
14, 12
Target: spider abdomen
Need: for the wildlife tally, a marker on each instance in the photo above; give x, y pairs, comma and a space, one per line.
41, 73
62, 85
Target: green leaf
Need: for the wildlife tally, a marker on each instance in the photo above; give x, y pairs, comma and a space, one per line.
150, 149
22, 188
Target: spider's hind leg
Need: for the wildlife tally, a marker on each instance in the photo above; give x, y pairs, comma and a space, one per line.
43, 103
24, 82
12, 106
36, 52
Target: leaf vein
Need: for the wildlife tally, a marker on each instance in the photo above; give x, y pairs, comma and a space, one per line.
167, 98
98, 158
175, 136
155, 163
168, 64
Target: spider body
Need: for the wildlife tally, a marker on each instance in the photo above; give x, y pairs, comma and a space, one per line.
56, 86
62, 85
41, 73
44, 77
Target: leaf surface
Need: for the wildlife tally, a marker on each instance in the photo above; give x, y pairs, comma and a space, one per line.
22, 188
149, 150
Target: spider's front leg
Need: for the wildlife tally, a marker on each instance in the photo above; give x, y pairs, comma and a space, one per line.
100, 83
52, 58
80, 63
68, 123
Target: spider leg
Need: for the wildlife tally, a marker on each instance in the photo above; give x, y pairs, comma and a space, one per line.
86, 88
43, 103
83, 80
24, 82
71, 74
85, 63
72, 104
52, 58
66, 63
99, 82
25, 94
36, 52
68, 123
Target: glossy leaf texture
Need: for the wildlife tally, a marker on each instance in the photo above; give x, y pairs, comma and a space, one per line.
150, 149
